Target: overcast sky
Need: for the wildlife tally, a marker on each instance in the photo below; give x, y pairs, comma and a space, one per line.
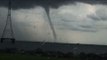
79, 21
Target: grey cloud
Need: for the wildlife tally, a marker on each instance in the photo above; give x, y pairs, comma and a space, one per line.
86, 26
84, 30
74, 26
81, 29
77, 29
98, 17
102, 14
95, 18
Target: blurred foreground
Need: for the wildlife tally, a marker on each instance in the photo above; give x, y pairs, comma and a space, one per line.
39, 54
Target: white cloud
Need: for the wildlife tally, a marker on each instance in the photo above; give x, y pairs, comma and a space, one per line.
79, 17
81, 23
74, 16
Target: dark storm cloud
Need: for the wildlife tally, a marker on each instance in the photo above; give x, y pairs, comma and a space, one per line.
18, 4
93, 1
